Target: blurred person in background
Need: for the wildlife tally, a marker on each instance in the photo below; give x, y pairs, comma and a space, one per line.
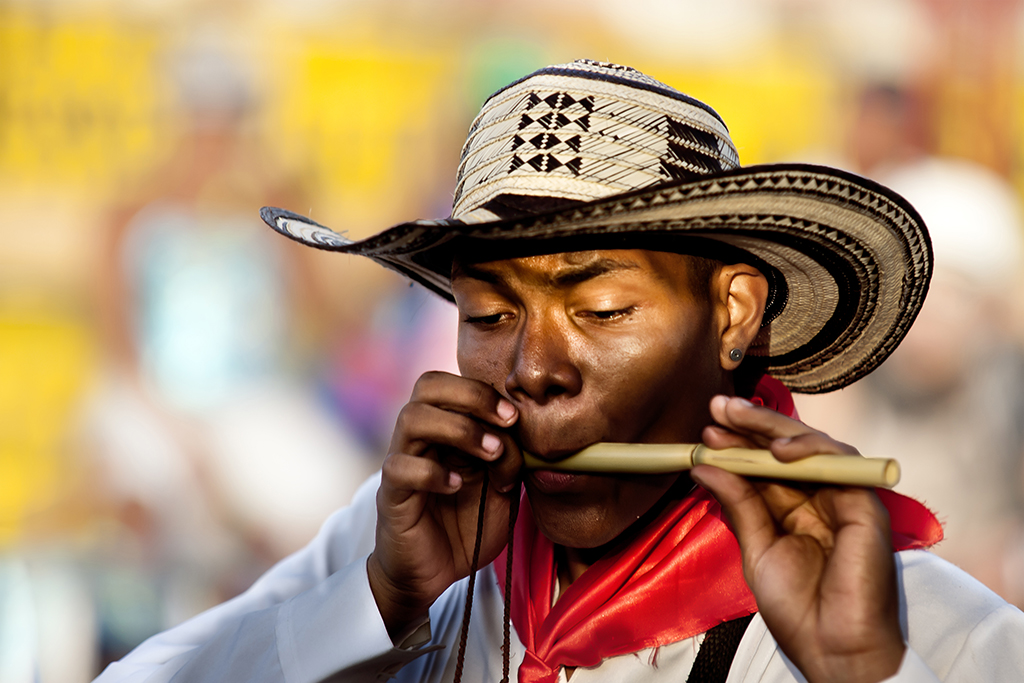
949, 402
213, 448
368, 368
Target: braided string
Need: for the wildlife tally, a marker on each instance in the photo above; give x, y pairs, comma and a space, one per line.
513, 513
472, 580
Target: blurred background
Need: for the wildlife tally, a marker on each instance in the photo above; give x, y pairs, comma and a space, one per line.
184, 395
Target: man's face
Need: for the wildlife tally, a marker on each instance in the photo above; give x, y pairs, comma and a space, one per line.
592, 346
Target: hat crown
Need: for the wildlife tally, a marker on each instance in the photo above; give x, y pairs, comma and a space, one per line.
583, 131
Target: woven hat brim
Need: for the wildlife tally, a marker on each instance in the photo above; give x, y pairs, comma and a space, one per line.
854, 256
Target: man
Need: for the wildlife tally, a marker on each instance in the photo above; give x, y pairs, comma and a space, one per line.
620, 278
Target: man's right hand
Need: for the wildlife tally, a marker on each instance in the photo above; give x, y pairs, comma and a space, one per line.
428, 502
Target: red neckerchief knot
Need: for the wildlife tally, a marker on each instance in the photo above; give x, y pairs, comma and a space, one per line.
681, 576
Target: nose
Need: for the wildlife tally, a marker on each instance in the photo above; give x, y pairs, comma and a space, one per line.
543, 368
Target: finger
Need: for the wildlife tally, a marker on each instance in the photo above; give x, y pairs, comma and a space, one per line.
864, 539
860, 512
464, 395
784, 449
825, 512
505, 471
719, 438
855, 505
794, 448
761, 425
421, 427
403, 474
745, 509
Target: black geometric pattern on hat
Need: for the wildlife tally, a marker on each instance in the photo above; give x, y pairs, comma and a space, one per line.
689, 148
559, 100
626, 140
577, 127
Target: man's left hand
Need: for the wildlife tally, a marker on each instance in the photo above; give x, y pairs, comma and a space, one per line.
818, 559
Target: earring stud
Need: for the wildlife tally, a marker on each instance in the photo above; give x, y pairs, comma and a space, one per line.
736, 355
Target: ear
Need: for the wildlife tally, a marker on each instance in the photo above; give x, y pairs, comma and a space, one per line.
741, 292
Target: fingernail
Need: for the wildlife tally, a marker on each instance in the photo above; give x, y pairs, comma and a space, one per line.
491, 443
506, 411
782, 441
454, 480
743, 402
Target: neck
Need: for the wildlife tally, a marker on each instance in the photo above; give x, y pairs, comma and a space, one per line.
570, 563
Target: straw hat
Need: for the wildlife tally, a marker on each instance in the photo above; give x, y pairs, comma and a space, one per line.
591, 155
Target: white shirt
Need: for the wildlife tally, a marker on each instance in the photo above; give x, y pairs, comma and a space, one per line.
312, 617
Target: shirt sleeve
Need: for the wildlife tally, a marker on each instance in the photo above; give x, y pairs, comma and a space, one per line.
995, 649
309, 618
958, 628
991, 652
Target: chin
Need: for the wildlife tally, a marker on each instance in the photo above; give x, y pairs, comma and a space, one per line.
581, 529
595, 510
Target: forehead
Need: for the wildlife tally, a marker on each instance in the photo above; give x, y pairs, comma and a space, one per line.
570, 268
565, 271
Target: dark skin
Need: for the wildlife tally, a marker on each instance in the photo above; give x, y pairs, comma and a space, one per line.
563, 350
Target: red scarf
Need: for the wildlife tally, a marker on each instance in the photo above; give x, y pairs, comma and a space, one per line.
680, 577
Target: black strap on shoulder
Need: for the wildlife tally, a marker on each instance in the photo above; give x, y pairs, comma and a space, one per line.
717, 651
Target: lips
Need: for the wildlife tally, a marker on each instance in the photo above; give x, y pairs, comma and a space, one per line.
558, 481
551, 482
552, 443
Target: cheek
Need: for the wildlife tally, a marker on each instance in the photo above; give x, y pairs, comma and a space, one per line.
659, 379
619, 377
641, 349
621, 361
482, 358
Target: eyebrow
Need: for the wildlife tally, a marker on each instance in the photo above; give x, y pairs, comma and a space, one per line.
589, 271
567, 277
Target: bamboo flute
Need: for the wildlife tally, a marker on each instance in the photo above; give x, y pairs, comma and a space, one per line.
845, 470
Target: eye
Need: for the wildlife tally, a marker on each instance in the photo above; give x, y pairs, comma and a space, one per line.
608, 315
485, 320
